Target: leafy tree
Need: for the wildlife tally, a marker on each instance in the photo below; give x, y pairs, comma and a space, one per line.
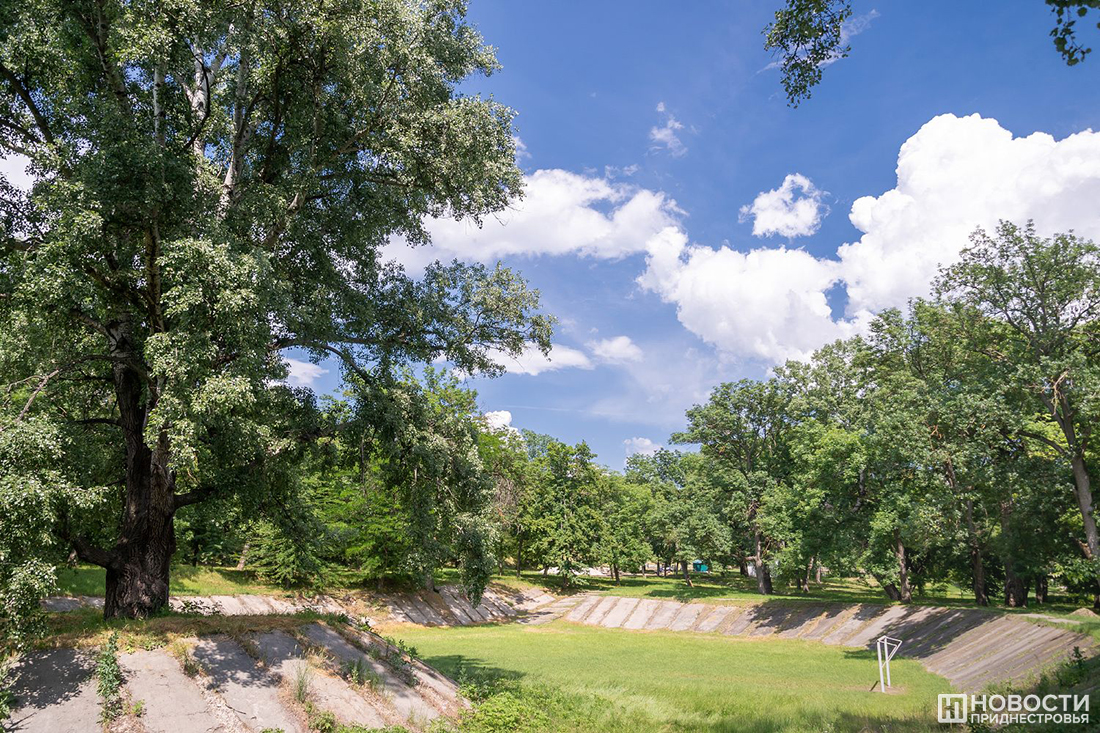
1033, 305
565, 509
623, 539
807, 35
744, 429
213, 183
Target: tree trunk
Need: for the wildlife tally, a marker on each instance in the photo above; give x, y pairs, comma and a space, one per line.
519, 557
891, 591
1041, 588
805, 585
1015, 589
817, 574
1083, 492
905, 593
977, 568
763, 575
742, 567
687, 575
615, 570
138, 570
244, 556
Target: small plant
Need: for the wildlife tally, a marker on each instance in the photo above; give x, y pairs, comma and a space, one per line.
303, 678
190, 665
359, 673
138, 709
7, 699
109, 679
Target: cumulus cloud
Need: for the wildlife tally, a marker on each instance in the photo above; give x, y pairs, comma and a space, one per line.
795, 209
501, 421
645, 446
956, 174
953, 175
666, 135
303, 373
766, 303
560, 213
531, 361
616, 350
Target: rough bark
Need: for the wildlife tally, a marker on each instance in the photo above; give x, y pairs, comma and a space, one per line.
742, 567
1042, 586
977, 568
763, 575
905, 593
687, 574
244, 556
138, 574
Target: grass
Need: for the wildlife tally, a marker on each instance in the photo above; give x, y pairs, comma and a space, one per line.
187, 580
734, 589
563, 676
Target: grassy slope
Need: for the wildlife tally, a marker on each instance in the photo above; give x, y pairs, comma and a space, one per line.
582, 678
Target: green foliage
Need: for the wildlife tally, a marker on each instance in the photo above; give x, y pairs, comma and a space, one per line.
109, 680
807, 35
564, 509
7, 678
188, 225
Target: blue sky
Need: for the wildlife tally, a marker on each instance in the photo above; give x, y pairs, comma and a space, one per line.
687, 227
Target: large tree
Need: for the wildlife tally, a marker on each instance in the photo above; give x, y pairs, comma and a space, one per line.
213, 183
1033, 308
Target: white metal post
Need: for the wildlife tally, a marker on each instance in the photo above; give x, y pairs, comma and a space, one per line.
886, 648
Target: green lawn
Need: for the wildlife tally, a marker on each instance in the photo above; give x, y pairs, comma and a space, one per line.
88, 580
568, 677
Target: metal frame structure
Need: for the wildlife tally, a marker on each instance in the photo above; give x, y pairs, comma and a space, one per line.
887, 647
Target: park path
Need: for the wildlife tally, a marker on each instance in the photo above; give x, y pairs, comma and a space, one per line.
972, 648
259, 681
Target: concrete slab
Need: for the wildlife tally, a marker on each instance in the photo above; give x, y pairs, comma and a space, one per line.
890, 618
442, 687
284, 657
713, 619
460, 606
803, 619
743, 623
405, 700
54, 691
686, 617
617, 615
642, 612
852, 624
172, 702
251, 692
601, 610
663, 616
770, 618
580, 611
830, 617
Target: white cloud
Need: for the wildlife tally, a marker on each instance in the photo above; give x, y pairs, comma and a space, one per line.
767, 303
645, 446
616, 350
501, 422
561, 213
956, 174
303, 373
13, 168
665, 135
531, 361
795, 209
521, 148
953, 175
